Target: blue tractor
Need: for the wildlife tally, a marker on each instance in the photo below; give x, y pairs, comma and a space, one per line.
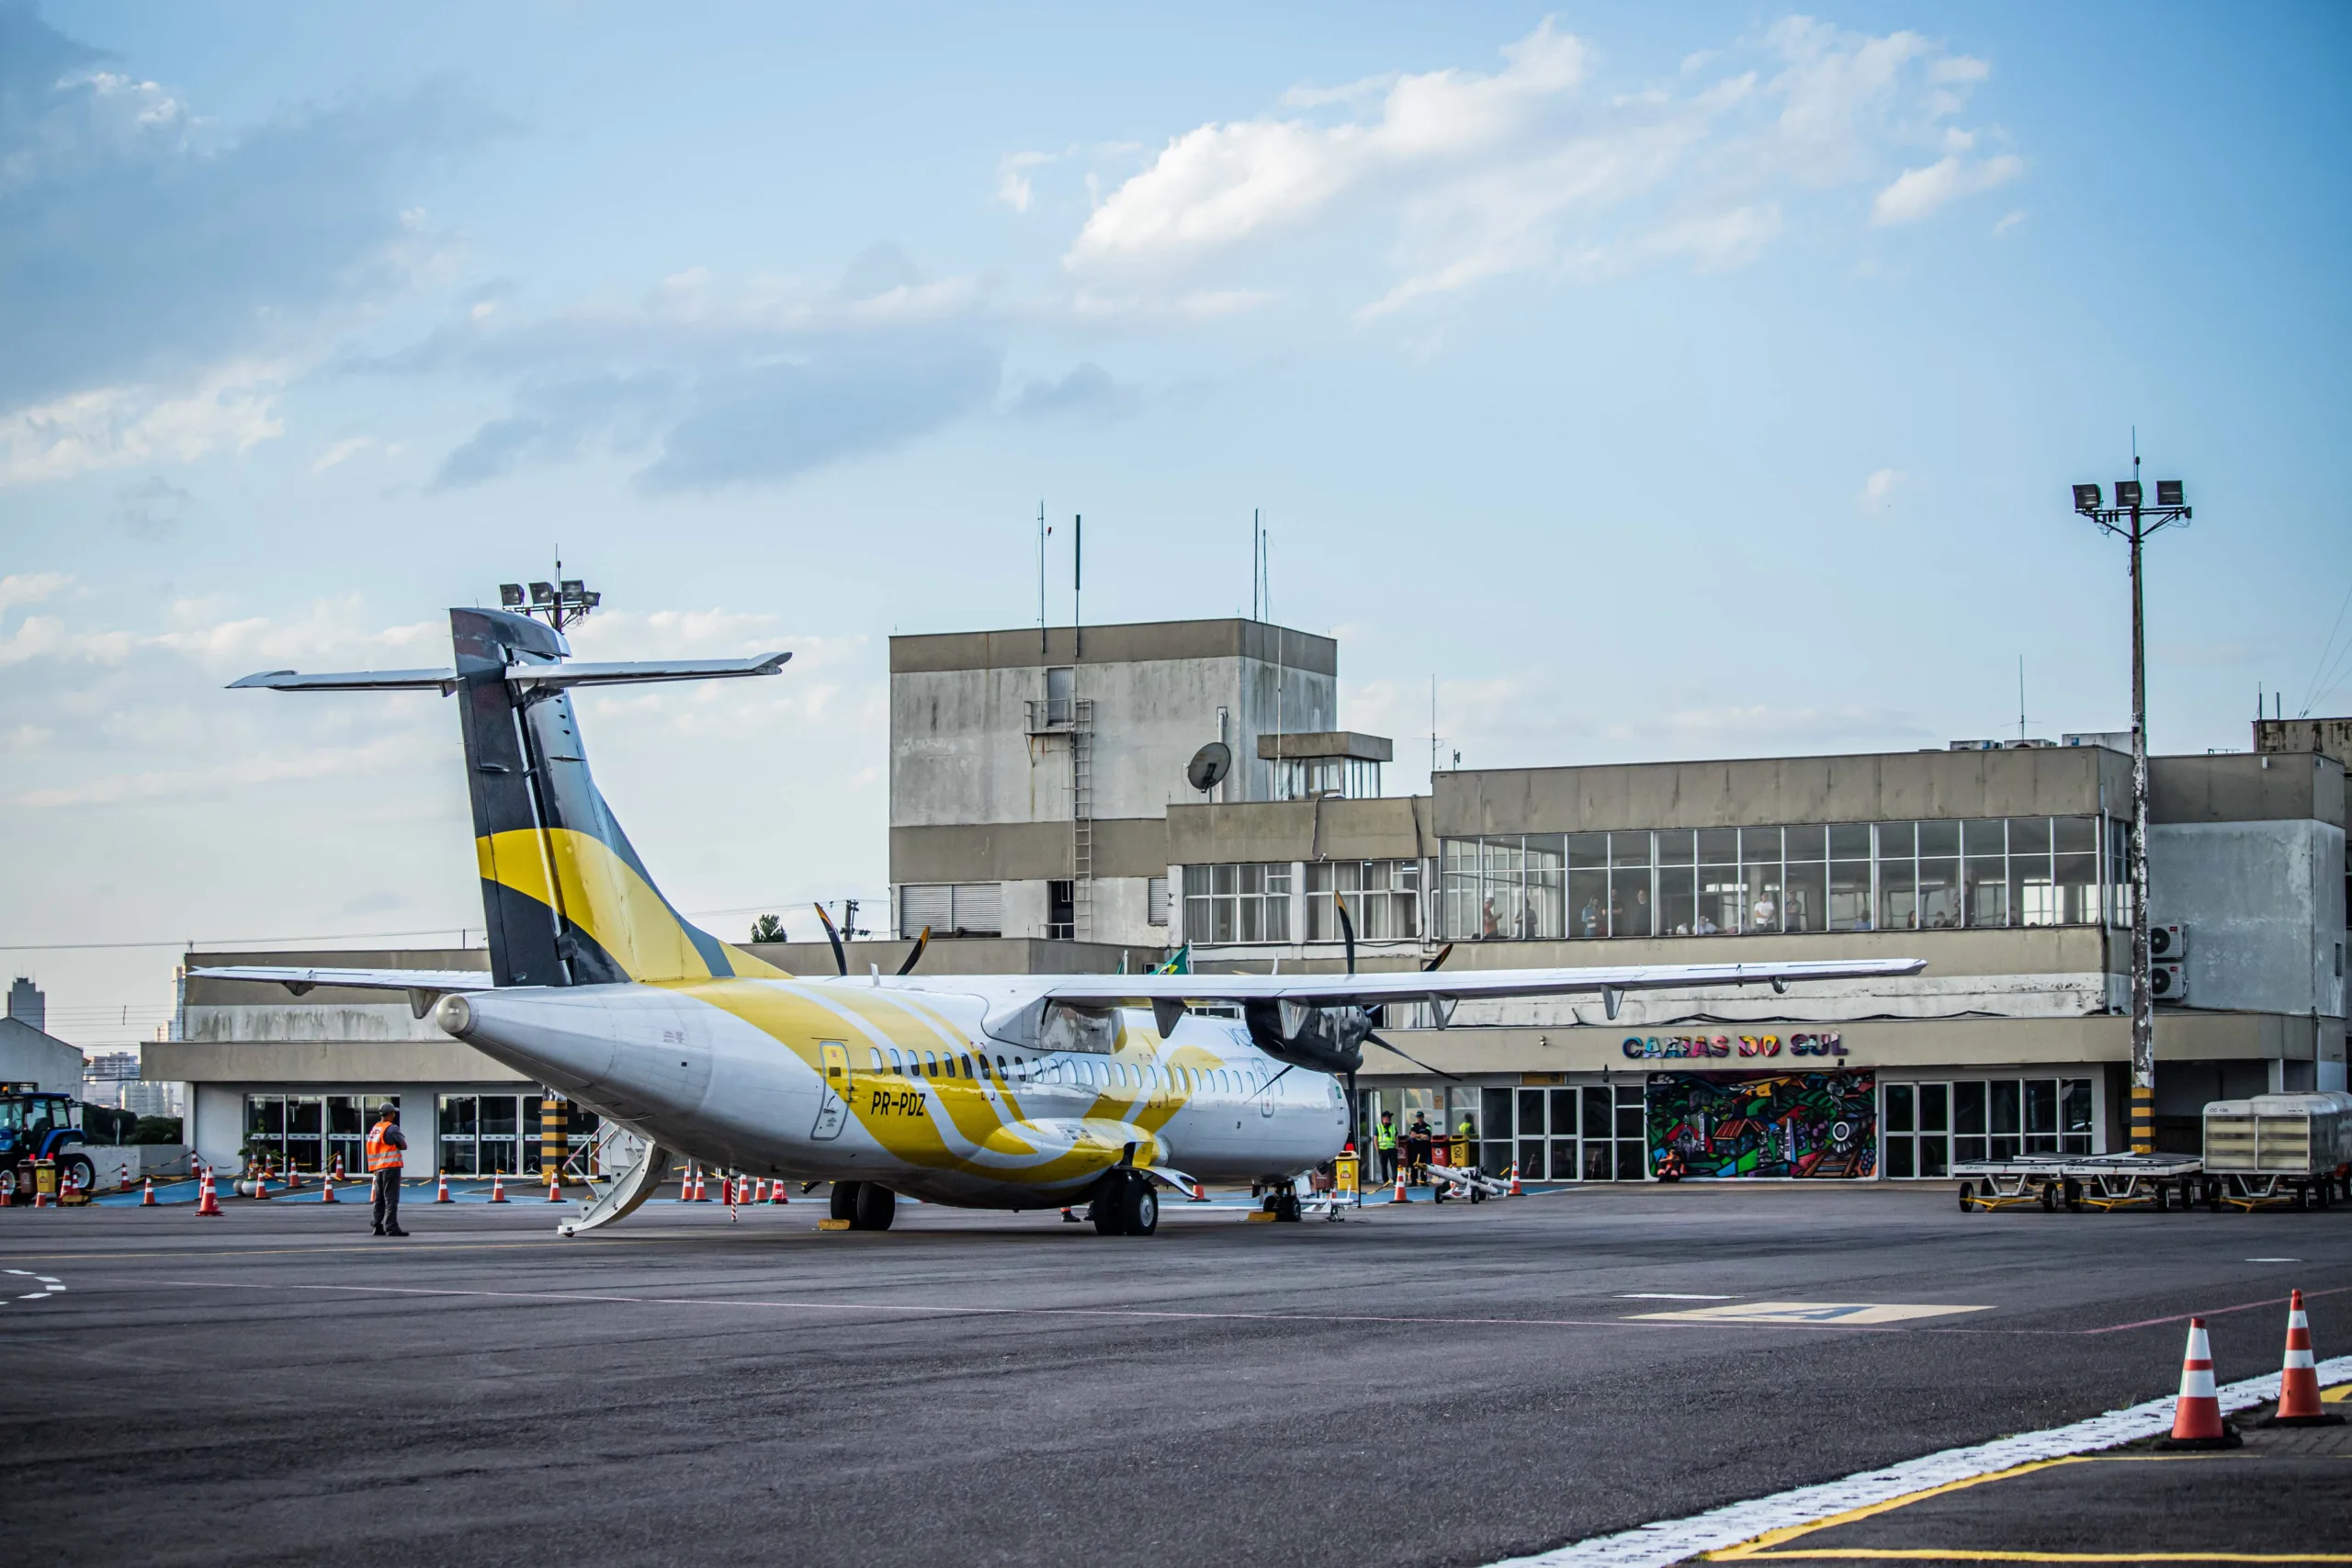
35, 1125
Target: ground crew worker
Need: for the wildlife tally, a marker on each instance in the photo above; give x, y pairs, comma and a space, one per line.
386, 1146
1383, 1142
1417, 1148
1466, 1139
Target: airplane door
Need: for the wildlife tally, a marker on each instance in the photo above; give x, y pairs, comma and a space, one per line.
832, 1101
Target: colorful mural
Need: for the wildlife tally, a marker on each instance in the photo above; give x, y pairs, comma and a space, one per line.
1803, 1124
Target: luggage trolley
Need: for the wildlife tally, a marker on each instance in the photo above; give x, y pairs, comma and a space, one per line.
2080, 1181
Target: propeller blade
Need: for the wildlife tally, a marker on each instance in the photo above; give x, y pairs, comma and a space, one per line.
916, 957
1442, 954
833, 935
1347, 931
1440, 1072
1277, 1078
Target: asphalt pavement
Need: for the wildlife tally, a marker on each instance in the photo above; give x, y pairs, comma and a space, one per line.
1430, 1385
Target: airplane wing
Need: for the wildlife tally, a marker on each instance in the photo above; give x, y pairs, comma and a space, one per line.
1446, 987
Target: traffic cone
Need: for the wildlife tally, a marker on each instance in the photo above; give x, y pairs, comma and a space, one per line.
702, 1193
497, 1186
1200, 1193
2299, 1382
1400, 1197
147, 1198
1516, 1189
555, 1186
775, 1191
2197, 1413
760, 1190
326, 1189
208, 1203
441, 1194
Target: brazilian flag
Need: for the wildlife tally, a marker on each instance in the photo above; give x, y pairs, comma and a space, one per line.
1179, 963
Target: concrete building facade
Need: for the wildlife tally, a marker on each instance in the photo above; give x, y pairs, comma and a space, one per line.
1041, 820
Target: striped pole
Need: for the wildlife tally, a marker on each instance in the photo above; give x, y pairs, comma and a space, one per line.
2144, 1119
551, 1139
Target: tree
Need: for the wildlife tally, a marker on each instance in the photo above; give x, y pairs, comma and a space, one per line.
767, 928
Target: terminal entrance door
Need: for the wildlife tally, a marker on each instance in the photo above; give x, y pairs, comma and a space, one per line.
1592, 1134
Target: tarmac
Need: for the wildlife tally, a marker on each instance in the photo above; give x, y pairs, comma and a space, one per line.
1461, 1385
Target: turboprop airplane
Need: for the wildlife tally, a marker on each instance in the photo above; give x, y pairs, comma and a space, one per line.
1023, 1092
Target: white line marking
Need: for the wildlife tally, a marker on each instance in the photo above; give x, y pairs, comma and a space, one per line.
2274, 1260
49, 1285
1671, 1296
1810, 1312
1671, 1541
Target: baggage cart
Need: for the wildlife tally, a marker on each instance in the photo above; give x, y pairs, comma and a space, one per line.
2080, 1181
2278, 1150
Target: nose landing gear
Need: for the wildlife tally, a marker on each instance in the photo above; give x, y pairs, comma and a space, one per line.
1125, 1205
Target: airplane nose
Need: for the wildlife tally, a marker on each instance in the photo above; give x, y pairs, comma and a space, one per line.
562, 1039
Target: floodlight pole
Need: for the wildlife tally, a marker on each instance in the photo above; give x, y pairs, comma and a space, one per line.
2134, 524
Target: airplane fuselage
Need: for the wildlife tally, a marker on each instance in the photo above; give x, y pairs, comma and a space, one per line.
853, 1080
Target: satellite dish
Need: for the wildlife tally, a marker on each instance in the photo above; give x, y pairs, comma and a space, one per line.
1209, 765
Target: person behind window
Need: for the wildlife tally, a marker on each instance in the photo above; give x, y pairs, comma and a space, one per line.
1767, 914
1590, 916
1705, 926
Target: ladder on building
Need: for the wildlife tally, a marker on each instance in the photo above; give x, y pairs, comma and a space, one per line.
1082, 818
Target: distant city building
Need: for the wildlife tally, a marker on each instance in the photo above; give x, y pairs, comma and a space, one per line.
27, 1005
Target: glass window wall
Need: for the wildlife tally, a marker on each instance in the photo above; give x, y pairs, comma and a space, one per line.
1840, 876
1384, 899
1248, 902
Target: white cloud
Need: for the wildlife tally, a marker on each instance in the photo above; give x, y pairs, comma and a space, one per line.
1533, 167
30, 588
1878, 490
1923, 193
351, 447
1012, 183
2011, 222
125, 426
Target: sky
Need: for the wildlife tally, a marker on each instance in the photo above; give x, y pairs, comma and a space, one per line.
1649, 382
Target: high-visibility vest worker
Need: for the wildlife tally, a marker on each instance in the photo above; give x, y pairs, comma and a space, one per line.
386, 1148
1384, 1136
381, 1153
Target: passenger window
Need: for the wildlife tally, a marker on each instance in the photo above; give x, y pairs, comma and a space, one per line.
966, 1062
874, 1051
1000, 1069
929, 1064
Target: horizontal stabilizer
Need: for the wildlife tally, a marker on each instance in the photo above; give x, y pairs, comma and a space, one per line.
443, 681
639, 672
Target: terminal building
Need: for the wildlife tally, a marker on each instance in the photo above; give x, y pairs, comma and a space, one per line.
1045, 815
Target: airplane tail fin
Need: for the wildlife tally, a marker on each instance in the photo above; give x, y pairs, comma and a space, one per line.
568, 901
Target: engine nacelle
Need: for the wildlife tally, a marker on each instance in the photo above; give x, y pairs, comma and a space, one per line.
1322, 1039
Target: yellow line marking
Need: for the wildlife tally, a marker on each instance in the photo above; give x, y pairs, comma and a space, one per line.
1758, 1546
1970, 1554
2337, 1394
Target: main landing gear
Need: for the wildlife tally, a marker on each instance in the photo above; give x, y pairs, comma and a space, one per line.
1125, 1205
866, 1205
1284, 1204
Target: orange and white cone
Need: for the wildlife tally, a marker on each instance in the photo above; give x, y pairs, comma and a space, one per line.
208, 1202
147, 1197
326, 1189
1400, 1195
555, 1186
1516, 1189
702, 1191
775, 1191
2299, 1381
441, 1193
1200, 1193
497, 1186
2197, 1413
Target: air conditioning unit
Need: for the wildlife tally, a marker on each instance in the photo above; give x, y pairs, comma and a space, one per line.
2167, 943
2169, 981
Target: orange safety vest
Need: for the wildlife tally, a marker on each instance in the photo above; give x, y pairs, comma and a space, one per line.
381, 1155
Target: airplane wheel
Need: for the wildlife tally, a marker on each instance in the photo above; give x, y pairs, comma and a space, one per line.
1139, 1207
844, 1200
877, 1207
1967, 1196
1286, 1206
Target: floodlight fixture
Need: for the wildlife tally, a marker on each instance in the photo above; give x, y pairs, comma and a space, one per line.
2087, 498
510, 595
2127, 493
2169, 494
542, 593
573, 589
